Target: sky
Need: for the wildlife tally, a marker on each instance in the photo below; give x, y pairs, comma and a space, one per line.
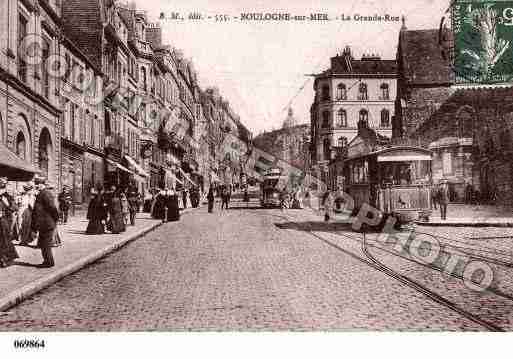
262, 67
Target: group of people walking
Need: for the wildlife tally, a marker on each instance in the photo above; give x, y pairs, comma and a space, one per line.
165, 206
112, 210
31, 215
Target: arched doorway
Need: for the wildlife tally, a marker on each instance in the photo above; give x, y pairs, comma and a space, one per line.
45, 151
21, 146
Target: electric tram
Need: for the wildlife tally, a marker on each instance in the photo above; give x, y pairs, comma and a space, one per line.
270, 188
396, 180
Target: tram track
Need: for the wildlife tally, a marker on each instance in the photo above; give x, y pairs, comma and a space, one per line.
376, 265
373, 263
492, 290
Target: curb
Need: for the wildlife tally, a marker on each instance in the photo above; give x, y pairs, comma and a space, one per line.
462, 224
19, 295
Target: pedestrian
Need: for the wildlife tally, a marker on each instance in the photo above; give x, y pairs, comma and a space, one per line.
97, 212
211, 199
173, 208
26, 206
133, 202
307, 203
224, 198
56, 236
443, 199
44, 221
229, 194
8, 208
283, 199
184, 198
125, 207
434, 195
65, 201
115, 224
468, 193
327, 202
159, 206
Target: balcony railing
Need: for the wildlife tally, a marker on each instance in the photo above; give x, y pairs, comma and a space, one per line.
362, 97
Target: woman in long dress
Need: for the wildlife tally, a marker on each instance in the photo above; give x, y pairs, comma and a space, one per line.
116, 222
7, 209
25, 215
173, 208
159, 207
97, 213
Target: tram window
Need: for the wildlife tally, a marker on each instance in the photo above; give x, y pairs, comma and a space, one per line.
405, 173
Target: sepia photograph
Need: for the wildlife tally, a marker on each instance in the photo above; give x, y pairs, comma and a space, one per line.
196, 168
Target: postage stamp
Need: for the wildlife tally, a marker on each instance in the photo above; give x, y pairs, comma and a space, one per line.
483, 41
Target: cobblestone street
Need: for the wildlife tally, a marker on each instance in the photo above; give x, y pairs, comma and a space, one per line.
248, 269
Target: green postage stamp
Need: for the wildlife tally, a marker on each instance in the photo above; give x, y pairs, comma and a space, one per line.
483, 41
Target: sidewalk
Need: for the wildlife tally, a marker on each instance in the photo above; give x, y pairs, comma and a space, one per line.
24, 278
464, 215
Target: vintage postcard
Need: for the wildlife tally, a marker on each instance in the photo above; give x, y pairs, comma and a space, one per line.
255, 166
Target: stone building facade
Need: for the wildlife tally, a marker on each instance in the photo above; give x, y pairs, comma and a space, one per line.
470, 136
424, 79
351, 92
30, 112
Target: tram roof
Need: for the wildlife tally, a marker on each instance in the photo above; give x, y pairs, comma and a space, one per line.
410, 150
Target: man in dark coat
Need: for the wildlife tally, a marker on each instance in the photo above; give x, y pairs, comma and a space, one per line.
443, 199
44, 221
133, 201
184, 198
211, 199
65, 201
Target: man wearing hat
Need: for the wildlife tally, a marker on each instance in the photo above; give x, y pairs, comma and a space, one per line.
65, 200
44, 220
443, 199
7, 208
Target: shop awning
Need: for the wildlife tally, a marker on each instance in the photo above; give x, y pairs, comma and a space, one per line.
186, 176
138, 169
13, 167
119, 166
172, 175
